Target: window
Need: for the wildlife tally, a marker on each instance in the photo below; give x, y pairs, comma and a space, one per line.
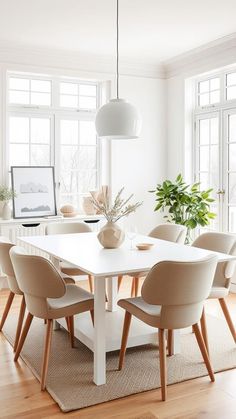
215, 146
29, 140
78, 158
51, 122
25, 91
78, 95
231, 86
209, 92
208, 155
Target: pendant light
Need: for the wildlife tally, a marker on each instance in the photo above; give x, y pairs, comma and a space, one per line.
118, 119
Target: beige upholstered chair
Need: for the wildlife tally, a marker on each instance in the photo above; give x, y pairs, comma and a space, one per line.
70, 228
173, 294
47, 297
171, 232
7, 268
224, 243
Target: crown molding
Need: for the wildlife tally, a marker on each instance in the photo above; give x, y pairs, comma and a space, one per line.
215, 54
75, 61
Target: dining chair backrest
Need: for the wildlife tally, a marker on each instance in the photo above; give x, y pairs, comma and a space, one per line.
6, 266
171, 232
38, 279
67, 228
223, 243
180, 288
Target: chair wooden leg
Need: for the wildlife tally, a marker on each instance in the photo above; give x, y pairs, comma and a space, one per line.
124, 339
90, 279
20, 322
204, 330
120, 277
170, 342
162, 356
24, 333
227, 317
135, 287
203, 350
68, 323
6, 309
47, 346
92, 316
72, 334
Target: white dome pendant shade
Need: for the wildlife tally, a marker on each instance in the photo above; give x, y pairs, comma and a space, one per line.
118, 119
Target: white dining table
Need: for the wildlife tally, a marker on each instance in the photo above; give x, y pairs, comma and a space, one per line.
85, 252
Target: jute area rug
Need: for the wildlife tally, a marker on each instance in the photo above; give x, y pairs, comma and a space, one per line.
70, 372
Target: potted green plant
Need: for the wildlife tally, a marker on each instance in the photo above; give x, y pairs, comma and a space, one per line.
6, 194
185, 204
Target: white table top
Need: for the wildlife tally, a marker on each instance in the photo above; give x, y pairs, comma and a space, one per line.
84, 251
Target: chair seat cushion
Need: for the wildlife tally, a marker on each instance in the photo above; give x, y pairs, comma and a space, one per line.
218, 292
75, 300
148, 313
67, 279
69, 269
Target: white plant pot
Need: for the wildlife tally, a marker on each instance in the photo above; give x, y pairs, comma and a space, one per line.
1, 207
6, 211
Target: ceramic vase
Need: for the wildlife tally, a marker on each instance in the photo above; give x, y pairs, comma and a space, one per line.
1, 207
6, 211
111, 236
88, 206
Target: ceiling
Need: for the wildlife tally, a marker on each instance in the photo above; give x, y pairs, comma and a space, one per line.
151, 31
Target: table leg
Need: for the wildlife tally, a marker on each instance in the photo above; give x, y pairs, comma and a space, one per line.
56, 263
112, 293
99, 332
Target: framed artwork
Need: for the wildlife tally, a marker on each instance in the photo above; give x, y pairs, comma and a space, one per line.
35, 191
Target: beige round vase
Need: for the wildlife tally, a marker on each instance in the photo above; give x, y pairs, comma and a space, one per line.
111, 236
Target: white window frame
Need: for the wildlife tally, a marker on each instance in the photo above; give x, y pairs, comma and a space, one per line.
55, 112
223, 103
29, 77
223, 108
32, 114
198, 118
78, 82
72, 116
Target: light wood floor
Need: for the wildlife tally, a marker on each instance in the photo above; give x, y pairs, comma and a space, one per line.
20, 395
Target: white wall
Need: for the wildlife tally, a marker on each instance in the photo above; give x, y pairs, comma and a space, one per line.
180, 99
175, 126
140, 164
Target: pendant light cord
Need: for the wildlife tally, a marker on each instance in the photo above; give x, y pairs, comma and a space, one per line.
117, 49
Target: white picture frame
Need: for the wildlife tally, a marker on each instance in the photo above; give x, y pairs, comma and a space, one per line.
35, 191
